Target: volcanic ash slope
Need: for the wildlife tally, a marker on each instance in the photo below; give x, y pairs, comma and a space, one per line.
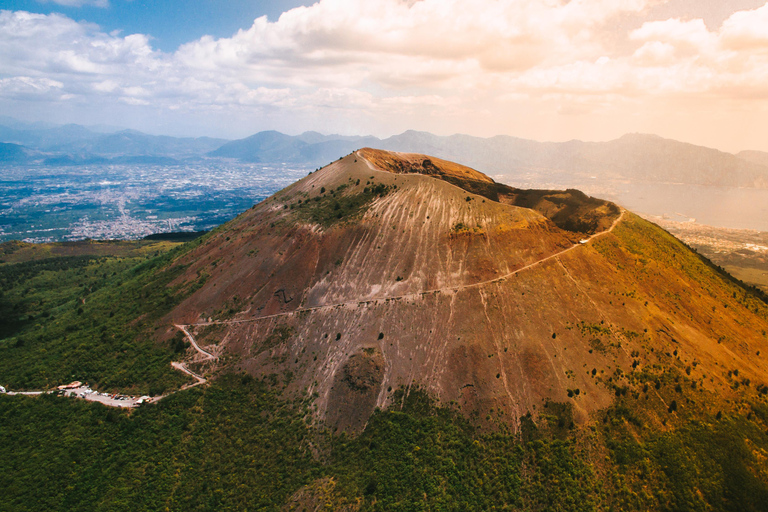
385, 271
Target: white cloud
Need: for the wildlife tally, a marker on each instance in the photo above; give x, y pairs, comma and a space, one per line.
129, 100
404, 60
746, 30
655, 53
55, 45
28, 87
443, 35
105, 86
79, 3
687, 37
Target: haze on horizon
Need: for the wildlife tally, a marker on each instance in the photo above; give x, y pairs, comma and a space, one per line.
695, 71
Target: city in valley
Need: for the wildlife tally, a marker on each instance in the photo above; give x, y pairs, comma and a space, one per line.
125, 202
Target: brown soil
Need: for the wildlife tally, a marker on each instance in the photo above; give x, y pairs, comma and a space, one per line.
392, 298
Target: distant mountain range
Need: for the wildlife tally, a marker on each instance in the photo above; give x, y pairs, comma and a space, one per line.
78, 145
633, 157
309, 148
14, 153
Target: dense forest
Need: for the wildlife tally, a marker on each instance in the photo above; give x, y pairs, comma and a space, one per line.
236, 445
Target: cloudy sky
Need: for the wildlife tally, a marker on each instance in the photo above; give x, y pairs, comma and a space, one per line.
693, 70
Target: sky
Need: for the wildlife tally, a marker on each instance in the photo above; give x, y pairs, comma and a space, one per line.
691, 70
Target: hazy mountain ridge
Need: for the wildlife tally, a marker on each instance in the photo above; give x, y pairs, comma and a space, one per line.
133, 143
632, 157
74, 144
15, 153
309, 148
757, 157
46, 138
636, 157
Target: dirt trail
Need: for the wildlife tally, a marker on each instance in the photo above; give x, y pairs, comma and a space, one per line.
182, 367
414, 295
206, 355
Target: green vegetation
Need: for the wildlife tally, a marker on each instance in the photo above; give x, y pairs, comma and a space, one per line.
423, 457
233, 446
62, 279
87, 318
15, 251
338, 206
237, 445
711, 463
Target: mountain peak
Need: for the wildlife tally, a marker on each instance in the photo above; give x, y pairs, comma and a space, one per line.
640, 136
384, 271
400, 163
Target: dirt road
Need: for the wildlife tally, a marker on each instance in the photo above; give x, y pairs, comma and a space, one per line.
414, 294
124, 401
86, 393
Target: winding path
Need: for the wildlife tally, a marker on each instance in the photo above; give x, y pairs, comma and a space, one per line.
454, 288
208, 356
123, 401
182, 367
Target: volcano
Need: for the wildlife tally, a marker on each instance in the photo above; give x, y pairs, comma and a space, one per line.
386, 272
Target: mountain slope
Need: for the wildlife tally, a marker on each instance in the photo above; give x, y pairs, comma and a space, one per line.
14, 153
130, 142
357, 281
309, 148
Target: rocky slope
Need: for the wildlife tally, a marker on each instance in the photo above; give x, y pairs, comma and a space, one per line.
387, 271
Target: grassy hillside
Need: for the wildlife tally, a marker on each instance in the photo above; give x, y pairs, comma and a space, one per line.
88, 317
15, 251
234, 446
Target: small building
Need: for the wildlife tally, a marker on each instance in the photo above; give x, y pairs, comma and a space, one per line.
71, 385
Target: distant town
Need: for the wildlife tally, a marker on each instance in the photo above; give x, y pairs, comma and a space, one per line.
127, 202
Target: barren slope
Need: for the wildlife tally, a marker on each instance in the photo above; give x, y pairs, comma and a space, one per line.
357, 281
349, 233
